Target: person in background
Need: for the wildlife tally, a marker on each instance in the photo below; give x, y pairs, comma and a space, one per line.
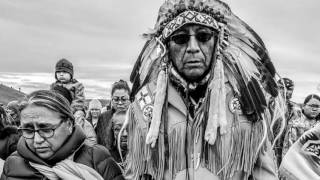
79, 116
310, 118
292, 112
94, 112
64, 75
8, 136
86, 127
111, 121
13, 109
53, 147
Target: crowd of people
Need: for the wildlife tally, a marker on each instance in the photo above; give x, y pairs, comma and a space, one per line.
206, 103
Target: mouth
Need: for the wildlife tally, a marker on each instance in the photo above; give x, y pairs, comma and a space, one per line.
193, 63
42, 149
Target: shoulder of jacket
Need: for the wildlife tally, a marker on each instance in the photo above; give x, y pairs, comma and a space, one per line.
98, 152
76, 82
14, 160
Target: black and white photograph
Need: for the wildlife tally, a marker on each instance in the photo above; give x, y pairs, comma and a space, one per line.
159, 90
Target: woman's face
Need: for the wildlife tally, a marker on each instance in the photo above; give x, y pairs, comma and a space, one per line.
95, 113
120, 100
312, 108
51, 125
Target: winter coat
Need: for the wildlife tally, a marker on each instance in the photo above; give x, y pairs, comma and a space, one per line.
90, 133
8, 141
105, 134
77, 91
97, 157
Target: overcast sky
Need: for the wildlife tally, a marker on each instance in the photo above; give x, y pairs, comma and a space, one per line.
102, 39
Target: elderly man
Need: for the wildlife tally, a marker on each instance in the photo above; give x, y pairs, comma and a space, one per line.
52, 146
201, 89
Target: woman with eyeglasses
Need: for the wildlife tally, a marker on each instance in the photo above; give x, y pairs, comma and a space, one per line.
310, 117
111, 121
53, 147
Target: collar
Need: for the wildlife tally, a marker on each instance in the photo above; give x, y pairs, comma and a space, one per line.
178, 80
73, 143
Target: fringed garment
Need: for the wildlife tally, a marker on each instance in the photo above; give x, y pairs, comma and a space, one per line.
233, 156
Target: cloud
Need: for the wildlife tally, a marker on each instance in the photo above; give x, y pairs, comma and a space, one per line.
29, 82
102, 39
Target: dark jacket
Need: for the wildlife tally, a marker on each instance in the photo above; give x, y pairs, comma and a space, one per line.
105, 134
8, 141
97, 157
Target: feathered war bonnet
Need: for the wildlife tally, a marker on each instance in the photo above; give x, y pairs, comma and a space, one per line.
239, 50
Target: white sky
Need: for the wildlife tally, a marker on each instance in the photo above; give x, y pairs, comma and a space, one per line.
102, 39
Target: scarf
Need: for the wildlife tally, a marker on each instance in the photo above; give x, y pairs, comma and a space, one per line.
66, 170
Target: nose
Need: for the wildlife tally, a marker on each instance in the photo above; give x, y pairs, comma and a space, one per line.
124, 133
193, 46
37, 139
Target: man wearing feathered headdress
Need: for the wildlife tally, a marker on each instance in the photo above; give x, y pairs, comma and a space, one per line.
201, 89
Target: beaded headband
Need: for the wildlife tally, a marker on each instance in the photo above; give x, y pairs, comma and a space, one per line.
189, 17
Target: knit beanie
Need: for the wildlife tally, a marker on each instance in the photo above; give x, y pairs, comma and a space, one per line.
64, 65
64, 92
95, 104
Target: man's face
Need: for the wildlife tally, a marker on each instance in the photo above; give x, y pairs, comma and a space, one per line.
312, 108
289, 92
192, 58
63, 77
36, 117
120, 100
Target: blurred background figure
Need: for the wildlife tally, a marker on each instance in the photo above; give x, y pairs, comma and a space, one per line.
309, 118
94, 112
293, 111
111, 121
8, 136
13, 110
79, 116
86, 127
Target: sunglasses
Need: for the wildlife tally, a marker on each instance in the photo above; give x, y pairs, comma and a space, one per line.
118, 99
184, 38
313, 106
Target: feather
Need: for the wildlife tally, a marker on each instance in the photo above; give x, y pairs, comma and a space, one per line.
248, 41
147, 64
253, 101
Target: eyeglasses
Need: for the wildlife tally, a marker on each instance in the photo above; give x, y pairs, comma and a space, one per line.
117, 99
313, 106
44, 132
184, 38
